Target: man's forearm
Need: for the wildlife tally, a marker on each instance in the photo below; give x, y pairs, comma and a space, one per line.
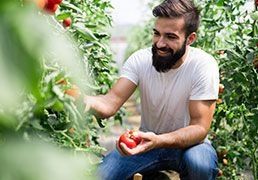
201, 115
183, 138
100, 105
107, 105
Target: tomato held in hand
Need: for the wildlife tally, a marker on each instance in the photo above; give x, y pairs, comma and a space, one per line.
130, 138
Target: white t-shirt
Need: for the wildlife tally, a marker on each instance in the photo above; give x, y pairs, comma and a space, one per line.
165, 96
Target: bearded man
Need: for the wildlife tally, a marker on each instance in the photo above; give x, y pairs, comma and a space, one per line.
178, 88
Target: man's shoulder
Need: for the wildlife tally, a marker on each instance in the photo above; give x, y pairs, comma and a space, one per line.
202, 61
200, 56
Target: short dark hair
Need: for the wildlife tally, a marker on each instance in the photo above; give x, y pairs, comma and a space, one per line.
178, 9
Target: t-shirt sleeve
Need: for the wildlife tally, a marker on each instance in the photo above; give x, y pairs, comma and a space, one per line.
130, 70
205, 84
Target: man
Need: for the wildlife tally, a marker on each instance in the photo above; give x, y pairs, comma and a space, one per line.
179, 88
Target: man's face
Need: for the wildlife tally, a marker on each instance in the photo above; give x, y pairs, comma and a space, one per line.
169, 43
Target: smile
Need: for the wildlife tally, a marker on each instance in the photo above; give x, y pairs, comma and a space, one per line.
162, 53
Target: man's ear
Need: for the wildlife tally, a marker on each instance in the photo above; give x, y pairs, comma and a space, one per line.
191, 38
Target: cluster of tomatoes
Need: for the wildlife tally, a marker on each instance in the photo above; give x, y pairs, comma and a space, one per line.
50, 6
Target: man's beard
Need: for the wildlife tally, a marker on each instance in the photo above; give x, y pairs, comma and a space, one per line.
165, 63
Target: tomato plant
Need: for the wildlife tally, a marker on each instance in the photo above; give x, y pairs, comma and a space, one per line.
229, 32
48, 109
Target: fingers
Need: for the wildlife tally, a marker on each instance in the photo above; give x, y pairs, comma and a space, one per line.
87, 104
141, 148
146, 136
125, 151
120, 150
149, 140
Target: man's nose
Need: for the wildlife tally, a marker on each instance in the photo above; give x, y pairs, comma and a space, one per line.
161, 43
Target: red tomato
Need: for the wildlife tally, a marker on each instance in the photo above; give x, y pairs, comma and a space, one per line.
51, 8
130, 138
54, 1
135, 136
220, 173
221, 88
67, 22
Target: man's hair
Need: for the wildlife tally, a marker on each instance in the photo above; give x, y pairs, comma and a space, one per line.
178, 9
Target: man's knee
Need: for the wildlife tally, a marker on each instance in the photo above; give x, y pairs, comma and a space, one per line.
116, 167
109, 168
200, 161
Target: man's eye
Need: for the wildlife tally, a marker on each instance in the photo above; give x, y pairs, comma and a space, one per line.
156, 33
171, 37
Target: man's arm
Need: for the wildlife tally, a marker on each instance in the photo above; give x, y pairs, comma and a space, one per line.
107, 105
201, 114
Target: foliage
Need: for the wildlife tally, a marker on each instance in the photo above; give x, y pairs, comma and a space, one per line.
90, 21
230, 34
29, 41
33, 160
44, 72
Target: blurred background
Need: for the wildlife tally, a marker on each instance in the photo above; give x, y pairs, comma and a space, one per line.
126, 16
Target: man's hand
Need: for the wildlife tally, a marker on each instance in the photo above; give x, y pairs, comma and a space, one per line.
98, 106
89, 105
149, 141
105, 106
87, 101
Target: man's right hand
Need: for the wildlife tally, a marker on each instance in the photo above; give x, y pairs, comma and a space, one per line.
105, 106
87, 103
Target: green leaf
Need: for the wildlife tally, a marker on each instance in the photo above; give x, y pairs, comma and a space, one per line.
99, 121
91, 86
58, 106
102, 35
56, 89
87, 33
220, 2
63, 16
234, 53
254, 15
36, 124
71, 6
